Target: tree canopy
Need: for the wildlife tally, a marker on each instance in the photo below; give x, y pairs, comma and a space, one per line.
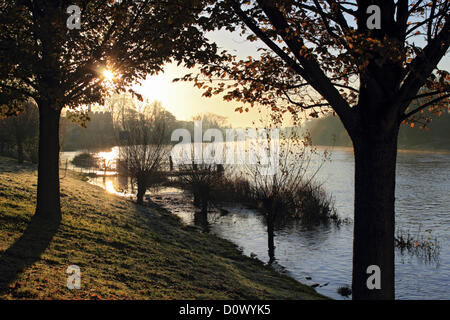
314, 55
45, 60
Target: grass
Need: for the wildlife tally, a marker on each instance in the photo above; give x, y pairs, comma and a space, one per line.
124, 251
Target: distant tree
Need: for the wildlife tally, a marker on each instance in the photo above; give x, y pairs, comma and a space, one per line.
211, 120
328, 131
4, 138
21, 131
121, 106
163, 115
41, 58
360, 61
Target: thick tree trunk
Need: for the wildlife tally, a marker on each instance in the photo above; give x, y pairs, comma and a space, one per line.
201, 220
204, 205
48, 198
196, 199
373, 242
140, 197
203, 214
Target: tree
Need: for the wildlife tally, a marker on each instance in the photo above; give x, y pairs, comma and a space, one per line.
279, 194
211, 120
118, 43
202, 179
364, 60
143, 150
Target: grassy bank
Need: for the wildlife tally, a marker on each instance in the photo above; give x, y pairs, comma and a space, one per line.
124, 251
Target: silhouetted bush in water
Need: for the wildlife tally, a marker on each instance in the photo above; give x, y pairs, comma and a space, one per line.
344, 291
235, 189
280, 203
142, 153
85, 160
308, 203
312, 205
204, 181
421, 245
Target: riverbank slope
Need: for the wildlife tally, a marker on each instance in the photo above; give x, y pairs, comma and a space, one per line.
124, 251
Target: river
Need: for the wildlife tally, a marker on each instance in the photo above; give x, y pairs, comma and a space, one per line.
322, 255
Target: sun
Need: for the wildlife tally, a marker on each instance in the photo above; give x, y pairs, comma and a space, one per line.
108, 75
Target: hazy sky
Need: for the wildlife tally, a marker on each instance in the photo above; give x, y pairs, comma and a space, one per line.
184, 100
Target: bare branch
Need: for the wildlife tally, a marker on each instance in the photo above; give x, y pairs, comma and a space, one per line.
409, 114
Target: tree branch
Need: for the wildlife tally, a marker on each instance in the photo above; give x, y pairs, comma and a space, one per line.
423, 95
257, 31
301, 105
409, 114
424, 64
310, 70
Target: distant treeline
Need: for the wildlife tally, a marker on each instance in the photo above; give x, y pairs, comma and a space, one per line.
329, 131
91, 129
98, 133
100, 130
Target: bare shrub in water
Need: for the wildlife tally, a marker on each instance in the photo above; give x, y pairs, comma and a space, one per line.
202, 180
421, 245
290, 191
85, 160
143, 151
314, 205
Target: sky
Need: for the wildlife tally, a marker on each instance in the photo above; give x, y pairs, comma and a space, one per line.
185, 101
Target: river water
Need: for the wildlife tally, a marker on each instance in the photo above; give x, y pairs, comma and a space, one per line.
322, 255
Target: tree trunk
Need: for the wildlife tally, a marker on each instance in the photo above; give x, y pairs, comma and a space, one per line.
204, 205
48, 200
373, 241
19, 151
270, 237
142, 188
201, 219
19, 139
196, 199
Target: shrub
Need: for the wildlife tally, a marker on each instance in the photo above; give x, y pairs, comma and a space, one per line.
313, 205
422, 245
85, 160
344, 291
